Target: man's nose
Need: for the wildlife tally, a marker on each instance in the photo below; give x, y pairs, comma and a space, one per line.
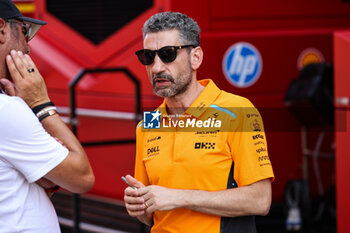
158, 65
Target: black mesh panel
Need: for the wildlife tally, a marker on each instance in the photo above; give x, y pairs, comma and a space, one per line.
97, 19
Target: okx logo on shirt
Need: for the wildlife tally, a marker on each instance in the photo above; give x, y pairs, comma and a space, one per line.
151, 120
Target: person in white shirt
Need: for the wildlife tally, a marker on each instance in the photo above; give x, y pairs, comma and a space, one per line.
38, 152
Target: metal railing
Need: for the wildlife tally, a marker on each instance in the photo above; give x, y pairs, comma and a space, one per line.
74, 121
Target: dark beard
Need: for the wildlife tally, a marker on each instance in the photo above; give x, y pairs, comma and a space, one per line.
175, 89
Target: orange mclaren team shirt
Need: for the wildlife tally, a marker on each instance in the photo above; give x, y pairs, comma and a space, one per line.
218, 143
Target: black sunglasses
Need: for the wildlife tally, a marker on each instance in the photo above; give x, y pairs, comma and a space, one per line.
167, 54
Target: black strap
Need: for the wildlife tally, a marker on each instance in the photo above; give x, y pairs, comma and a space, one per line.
40, 107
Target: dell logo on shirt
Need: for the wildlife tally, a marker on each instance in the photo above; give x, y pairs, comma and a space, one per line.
242, 64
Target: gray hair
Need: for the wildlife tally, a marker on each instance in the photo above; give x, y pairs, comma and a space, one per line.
13, 26
189, 30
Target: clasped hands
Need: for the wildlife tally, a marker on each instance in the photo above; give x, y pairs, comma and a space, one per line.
147, 199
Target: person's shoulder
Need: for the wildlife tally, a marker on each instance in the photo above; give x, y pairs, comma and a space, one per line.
233, 105
139, 125
6, 100
230, 100
15, 115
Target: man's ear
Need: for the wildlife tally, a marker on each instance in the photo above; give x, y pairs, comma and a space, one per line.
196, 57
3, 31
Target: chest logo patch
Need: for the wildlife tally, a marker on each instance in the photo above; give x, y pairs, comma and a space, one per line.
152, 150
204, 145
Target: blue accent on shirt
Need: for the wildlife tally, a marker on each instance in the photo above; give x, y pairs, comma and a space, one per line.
224, 110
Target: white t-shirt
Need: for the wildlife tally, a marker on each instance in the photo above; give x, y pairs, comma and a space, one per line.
27, 153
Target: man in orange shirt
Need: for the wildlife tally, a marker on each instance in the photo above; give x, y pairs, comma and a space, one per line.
206, 168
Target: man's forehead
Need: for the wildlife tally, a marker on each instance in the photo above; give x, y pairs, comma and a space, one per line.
161, 38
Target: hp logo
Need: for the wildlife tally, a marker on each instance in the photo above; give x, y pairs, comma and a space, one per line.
242, 64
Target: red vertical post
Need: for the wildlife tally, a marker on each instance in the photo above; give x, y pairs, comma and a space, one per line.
342, 103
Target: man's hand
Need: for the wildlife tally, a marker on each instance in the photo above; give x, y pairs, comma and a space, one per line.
159, 198
30, 86
46, 184
145, 200
74, 173
134, 203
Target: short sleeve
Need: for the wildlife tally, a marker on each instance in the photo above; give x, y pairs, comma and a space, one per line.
248, 144
25, 144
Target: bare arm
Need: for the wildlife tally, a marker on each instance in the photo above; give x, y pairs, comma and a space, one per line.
254, 199
74, 173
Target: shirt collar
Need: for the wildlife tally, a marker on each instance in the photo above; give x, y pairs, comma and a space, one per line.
205, 98
203, 101
162, 108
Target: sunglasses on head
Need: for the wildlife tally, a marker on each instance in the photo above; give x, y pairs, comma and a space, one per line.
26, 29
167, 54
